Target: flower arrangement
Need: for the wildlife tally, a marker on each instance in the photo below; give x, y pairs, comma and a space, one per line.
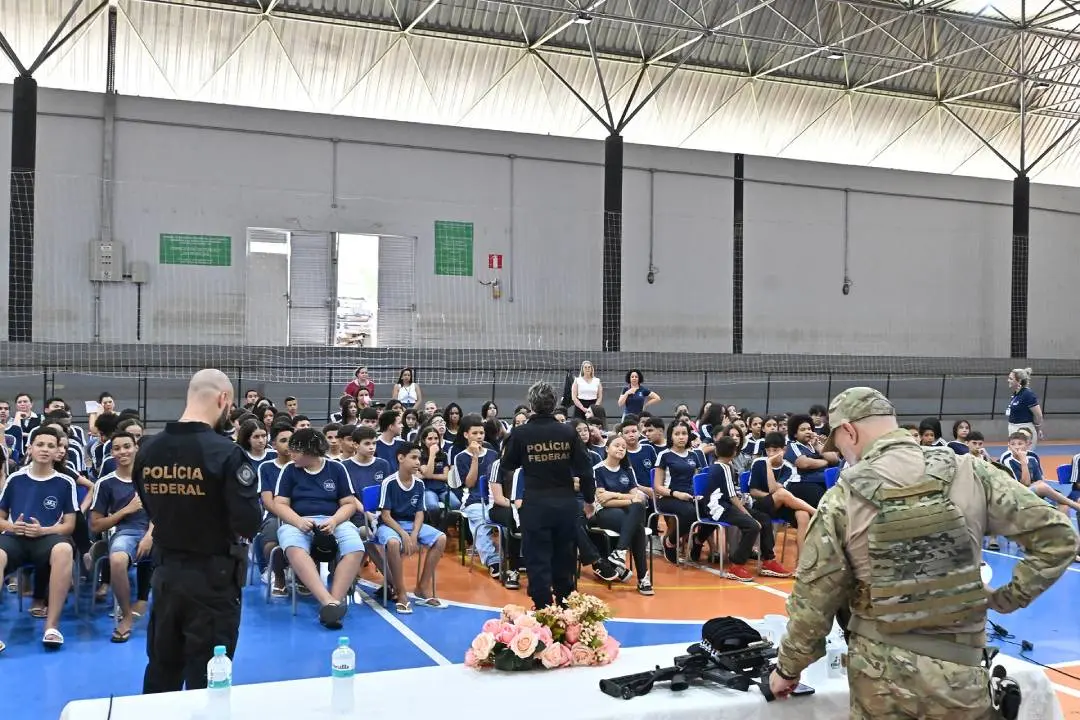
553, 637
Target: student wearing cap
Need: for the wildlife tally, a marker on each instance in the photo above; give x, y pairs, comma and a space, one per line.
893, 552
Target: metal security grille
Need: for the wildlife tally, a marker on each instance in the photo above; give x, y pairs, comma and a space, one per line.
311, 295
397, 292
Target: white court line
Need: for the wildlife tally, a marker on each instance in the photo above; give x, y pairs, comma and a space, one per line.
1020, 557
421, 644
1065, 690
758, 586
1071, 663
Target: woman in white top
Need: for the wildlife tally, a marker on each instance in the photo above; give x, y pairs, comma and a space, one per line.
587, 390
406, 391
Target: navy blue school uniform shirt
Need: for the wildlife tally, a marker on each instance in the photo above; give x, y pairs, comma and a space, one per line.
719, 490
313, 493
679, 469
255, 462
643, 460
402, 501
958, 447
635, 401
621, 480
794, 451
1034, 467
111, 495
759, 475
388, 451
47, 499
1019, 410
462, 463
364, 475
441, 465
268, 474
13, 438
754, 448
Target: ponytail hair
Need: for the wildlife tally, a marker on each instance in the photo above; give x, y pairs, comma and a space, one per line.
1023, 376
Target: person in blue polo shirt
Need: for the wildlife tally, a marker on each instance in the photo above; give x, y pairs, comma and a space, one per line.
37, 518
775, 487
313, 494
402, 530
117, 505
470, 464
389, 440
673, 483
635, 396
1024, 411
269, 471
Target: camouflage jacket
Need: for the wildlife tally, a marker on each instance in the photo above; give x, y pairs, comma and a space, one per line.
825, 581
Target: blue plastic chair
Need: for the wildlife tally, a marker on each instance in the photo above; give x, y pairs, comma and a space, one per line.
1064, 474
831, 476
658, 514
744, 488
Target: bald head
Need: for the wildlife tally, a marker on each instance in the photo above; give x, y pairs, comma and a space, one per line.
869, 429
209, 398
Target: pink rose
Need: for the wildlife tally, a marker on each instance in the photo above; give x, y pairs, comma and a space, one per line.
544, 633
582, 655
573, 633
599, 632
611, 649
524, 643
554, 656
492, 626
470, 659
527, 621
482, 645
567, 655
506, 634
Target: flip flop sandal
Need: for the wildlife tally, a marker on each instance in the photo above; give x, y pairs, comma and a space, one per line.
52, 639
402, 607
3, 647
431, 602
120, 637
330, 616
39, 612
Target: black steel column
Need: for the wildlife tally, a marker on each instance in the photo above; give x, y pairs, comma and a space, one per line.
737, 260
21, 247
613, 199
1020, 243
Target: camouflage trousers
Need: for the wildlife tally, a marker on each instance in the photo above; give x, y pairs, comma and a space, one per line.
887, 682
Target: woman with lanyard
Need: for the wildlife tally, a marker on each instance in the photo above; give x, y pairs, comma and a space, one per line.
587, 390
636, 397
1024, 412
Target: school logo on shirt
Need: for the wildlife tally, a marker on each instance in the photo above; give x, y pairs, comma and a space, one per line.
51, 503
414, 500
379, 476
329, 485
623, 480
692, 463
647, 464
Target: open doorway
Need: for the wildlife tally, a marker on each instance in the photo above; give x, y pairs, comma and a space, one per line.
357, 321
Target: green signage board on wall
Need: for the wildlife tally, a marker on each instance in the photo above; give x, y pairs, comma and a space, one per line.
453, 248
209, 250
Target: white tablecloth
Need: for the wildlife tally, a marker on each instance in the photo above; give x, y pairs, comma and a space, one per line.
458, 693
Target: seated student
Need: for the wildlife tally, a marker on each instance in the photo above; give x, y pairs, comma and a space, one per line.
402, 530
588, 554
301, 422
653, 430
642, 457
673, 483
1007, 454
930, 433
804, 451
975, 443
314, 494
269, 471
913, 430
389, 440
254, 441
774, 486
434, 471
819, 416
505, 497
364, 470
960, 431
369, 417
623, 505
331, 430
116, 505
1027, 469
37, 518
722, 503
470, 464
345, 442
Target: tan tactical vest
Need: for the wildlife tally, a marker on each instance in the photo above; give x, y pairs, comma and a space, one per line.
924, 571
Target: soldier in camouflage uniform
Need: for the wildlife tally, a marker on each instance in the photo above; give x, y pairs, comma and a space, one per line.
895, 546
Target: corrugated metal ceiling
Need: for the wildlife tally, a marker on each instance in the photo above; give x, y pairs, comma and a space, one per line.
878, 82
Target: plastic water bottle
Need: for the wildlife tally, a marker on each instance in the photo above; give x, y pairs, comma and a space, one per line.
218, 684
836, 652
343, 669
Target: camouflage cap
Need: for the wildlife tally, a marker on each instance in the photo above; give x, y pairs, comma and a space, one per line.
855, 404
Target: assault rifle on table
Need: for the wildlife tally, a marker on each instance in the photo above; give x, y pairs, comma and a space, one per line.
735, 669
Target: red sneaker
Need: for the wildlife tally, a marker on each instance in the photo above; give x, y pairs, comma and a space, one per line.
771, 568
738, 572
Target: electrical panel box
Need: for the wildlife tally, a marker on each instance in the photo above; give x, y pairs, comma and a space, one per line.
138, 272
106, 261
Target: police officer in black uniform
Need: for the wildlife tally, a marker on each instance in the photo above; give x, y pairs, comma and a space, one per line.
550, 455
202, 497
